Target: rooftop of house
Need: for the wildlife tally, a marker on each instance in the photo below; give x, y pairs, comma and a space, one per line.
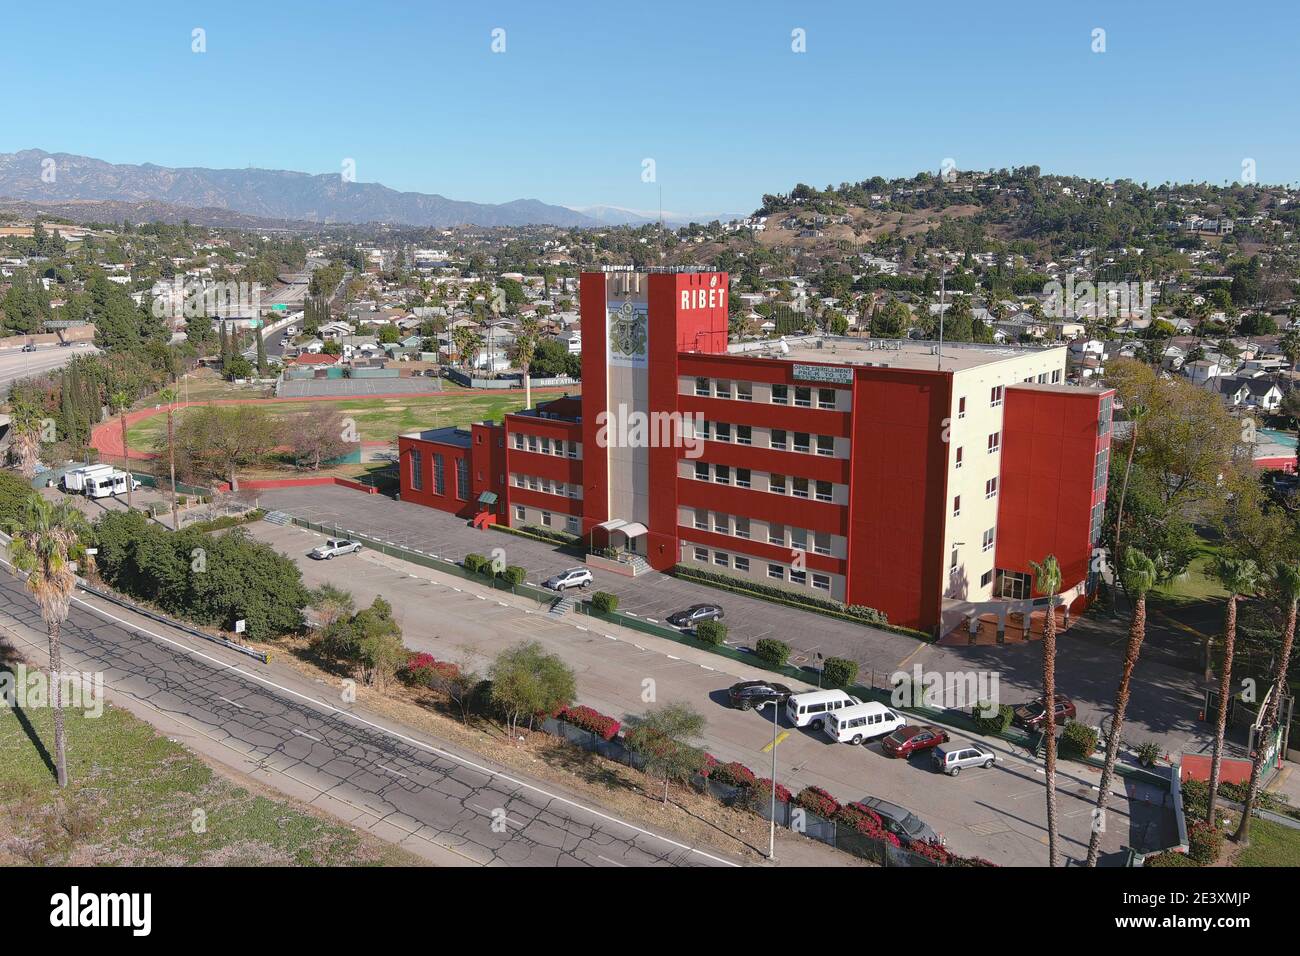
447, 435
894, 353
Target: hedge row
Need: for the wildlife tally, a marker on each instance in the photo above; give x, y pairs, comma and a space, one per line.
586, 718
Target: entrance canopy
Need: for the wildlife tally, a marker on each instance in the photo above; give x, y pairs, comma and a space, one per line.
630, 529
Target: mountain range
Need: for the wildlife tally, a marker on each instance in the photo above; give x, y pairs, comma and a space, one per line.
36, 176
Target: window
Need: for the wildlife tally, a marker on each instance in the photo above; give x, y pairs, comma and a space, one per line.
1099, 472
705, 430
777, 439
798, 577
520, 513
439, 483
701, 554
961, 407
801, 440
821, 581
991, 488
952, 563
1042, 378
544, 446
722, 523
956, 505
988, 539
1012, 586
532, 443
702, 519
546, 518
803, 396
702, 386
825, 398
800, 487
822, 542
742, 564
742, 478
776, 571
722, 431
573, 449
995, 396
776, 534
825, 445
571, 524
722, 559
780, 395
742, 527
702, 471
1056, 376
824, 489
1094, 531
986, 579
722, 474
995, 442
462, 479
776, 484
958, 464
798, 539
1103, 419
744, 393
518, 440
744, 435
417, 469
722, 389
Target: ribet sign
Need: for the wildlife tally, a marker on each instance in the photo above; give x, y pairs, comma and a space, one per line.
714, 297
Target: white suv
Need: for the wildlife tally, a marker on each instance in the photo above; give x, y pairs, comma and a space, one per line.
572, 578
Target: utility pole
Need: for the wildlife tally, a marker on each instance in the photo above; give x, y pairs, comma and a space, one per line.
771, 833
943, 272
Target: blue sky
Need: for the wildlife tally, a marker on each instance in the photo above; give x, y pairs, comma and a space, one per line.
710, 90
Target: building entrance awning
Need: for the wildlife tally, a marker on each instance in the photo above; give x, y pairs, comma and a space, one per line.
632, 529
487, 498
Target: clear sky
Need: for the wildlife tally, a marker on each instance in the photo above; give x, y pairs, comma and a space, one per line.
710, 90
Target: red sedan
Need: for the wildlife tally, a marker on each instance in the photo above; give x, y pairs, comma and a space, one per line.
911, 739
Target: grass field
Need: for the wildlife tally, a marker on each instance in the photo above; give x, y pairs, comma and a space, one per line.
1271, 844
1198, 584
377, 419
134, 796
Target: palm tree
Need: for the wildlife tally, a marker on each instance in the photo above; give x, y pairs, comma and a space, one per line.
47, 540
1047, 580
25, 445
1286, 580
1239, 576
1135, 417
121, 402
1139, 577
168, 395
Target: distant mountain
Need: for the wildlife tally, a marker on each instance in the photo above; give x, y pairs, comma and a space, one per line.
620, 216
265, 193
108, 210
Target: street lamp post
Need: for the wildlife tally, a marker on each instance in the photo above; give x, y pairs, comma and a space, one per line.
771, 836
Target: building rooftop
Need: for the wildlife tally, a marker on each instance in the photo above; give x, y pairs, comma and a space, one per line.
449, 435
891, 353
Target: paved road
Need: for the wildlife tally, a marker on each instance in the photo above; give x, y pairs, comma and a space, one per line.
998, 813
438, 797
17, 364
1165, 701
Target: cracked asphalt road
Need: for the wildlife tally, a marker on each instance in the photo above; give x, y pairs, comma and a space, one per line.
484, 815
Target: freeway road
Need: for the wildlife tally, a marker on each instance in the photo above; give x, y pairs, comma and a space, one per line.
450, 807
15, 364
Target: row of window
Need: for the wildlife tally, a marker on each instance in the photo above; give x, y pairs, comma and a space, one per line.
777, 572
548, 520
776, 484
544, 446
737, 526
439, 479
998, 393
547, 485
804, 396
778, 438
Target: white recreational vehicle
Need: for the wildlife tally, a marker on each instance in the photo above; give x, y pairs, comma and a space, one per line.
75, 479
108, 483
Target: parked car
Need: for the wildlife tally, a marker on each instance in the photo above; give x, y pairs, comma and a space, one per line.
572, 578
333, 547
757, 693
911, 739
695, 614
810, 709
901, 822
1031, 715
953, 758
861, 722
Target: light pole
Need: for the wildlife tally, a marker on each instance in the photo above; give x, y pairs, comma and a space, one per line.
771, 836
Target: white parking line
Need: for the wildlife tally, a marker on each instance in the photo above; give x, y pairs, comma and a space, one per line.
303, 733
397, 773
230, 702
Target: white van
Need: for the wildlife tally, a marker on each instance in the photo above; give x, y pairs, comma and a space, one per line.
810, 709
113, 483
75, 479
853, 725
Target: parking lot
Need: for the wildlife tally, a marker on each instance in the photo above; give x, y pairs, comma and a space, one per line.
998, 813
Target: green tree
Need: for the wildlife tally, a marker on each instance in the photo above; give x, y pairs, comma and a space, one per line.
1239, 577
1139, 577
529, 682
662, 740
1047, 581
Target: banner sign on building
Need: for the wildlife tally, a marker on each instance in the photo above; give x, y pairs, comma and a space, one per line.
838, 374
628, 335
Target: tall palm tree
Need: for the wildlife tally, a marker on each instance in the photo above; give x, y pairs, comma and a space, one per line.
47, 540
1135, 414
168, 395
25, 443
1139, 577
1286, 580
121, 402
1239, 576
1047, 580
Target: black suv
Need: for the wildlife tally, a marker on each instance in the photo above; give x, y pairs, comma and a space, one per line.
757, 693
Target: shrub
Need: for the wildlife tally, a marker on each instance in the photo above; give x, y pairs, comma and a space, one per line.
1078, 741
763, 791
1169, 858
839, 672
476, 563
1148, 753
604, 602
711, 632
865, 821
772, 651
425, 670
994, 724
1196, 798
868, 614
1204, 842
735, 774
818, 801
594, 721
933, 852
514, 575
856, 611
